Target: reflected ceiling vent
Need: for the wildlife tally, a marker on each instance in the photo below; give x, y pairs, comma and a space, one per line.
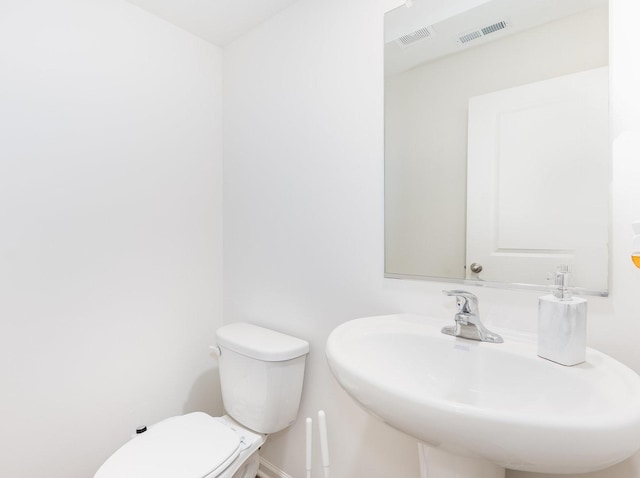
482, 32
418, 35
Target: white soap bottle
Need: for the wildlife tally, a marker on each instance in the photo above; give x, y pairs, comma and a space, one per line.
562, 323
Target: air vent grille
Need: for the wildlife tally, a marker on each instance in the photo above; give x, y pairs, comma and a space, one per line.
420, 34
472, 35
494, 28
466, 38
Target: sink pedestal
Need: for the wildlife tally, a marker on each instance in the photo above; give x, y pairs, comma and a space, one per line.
435, 463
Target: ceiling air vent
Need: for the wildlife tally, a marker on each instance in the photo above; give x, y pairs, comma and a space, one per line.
411, 38
482, 32
467, 37
494, 28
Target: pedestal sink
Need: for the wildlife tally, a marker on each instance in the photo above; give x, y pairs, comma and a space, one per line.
497, 403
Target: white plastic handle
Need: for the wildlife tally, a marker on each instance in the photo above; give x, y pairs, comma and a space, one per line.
324, 442
309, 438
215, 349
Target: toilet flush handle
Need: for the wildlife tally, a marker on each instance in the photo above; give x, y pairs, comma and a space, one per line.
215, 349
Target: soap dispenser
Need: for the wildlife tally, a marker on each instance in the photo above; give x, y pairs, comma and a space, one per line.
562, 323
635, 248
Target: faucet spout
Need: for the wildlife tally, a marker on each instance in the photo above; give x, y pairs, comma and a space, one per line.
468, 324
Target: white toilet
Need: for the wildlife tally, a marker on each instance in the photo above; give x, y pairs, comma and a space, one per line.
261, 375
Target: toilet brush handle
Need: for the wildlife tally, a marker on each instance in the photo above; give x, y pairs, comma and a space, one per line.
324, 442
308, 443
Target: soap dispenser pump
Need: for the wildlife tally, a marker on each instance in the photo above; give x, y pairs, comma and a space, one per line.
562, 323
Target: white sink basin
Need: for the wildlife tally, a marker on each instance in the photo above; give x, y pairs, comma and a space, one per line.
498, 402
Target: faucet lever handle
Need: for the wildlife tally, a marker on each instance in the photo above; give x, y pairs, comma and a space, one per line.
466, 301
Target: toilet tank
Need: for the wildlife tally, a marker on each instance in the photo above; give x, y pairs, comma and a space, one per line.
261, 375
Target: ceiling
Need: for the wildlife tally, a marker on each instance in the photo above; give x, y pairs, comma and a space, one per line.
217, 21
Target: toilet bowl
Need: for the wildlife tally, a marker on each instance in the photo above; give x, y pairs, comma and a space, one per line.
261, 375
191, 445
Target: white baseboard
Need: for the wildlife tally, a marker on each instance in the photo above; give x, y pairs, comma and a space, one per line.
269, 470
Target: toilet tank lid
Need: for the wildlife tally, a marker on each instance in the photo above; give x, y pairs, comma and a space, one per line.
260, 343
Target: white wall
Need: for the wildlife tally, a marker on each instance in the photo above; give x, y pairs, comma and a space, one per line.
426, 133
110, 229
303, 202
303, 206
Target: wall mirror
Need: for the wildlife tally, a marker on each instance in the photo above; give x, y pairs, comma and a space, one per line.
497, 156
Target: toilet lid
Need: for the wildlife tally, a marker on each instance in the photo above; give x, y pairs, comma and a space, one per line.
188, 446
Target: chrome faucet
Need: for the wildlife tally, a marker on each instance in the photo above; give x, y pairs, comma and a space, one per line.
468, 325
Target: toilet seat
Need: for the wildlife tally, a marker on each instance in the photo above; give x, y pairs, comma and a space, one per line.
195, 445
